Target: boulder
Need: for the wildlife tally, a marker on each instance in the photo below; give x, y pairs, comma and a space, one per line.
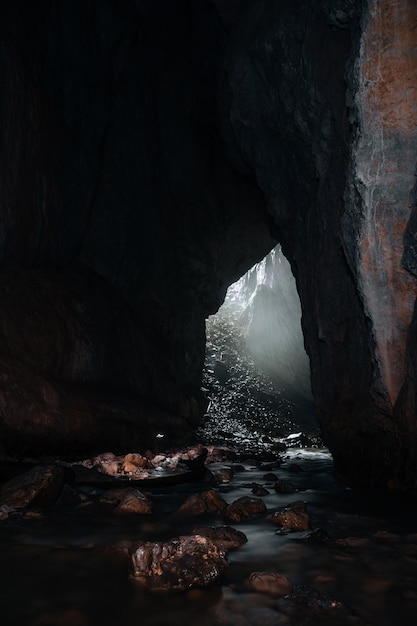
39, 486
225, 537
193, 505
134, 461
127, 501
281, 486
244, 508
271, 583
213, 500
294, 517
179, 564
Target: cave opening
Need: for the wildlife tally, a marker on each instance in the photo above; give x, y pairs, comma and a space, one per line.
257, 372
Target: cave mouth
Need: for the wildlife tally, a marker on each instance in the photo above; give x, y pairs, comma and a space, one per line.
257, 373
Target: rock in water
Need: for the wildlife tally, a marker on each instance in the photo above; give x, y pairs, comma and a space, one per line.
244, 508
273, 584
179, 564
293, 517
39, 486
225, 537
127, 501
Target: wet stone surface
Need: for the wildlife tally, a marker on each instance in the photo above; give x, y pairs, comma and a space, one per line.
356, 563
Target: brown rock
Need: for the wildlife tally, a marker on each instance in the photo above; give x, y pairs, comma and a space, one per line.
127, 501
111, 468
178, 564
193, 505
133, 461
273, 584
244, 508
223, 475
281, 486
270, 477
213, 500
225, 537
293, 517
39, 486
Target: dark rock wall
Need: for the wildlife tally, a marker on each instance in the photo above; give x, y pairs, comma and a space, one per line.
319, 100
151, 152
122, 219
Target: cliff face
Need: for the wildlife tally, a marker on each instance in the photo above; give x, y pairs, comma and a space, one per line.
151, 152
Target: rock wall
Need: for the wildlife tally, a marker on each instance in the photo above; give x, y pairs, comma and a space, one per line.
320, 99
122, 220
151, 152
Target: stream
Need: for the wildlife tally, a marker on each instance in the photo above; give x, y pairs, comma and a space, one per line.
68, 565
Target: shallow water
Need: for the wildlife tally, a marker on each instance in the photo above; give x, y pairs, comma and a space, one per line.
70, 567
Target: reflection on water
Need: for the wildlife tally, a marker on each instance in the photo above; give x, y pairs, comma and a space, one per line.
70, 567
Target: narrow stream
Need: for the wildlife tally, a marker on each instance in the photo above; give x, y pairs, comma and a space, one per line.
69, 566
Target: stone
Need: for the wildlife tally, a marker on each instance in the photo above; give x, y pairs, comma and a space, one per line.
294, 517
225, 537
223, 475
244, 508
294, 468
179, 564
353, 542
133, 461
271, 583
281, 486
270, 477
111, 468
38, 487
318, 535
258, 490
127, 501
195, 504
213, 500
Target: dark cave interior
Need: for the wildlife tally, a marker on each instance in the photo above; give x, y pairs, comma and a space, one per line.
152, 152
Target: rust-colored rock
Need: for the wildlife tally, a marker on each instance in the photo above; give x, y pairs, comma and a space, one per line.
271, 583
127, 501
225, 537
37, 487
244, 508
293, 517
178, 564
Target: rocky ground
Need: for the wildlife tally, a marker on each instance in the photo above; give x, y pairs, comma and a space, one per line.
246, 405
245, 541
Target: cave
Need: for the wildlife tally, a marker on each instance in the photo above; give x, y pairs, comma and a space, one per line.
151, 153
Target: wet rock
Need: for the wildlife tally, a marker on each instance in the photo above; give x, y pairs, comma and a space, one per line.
39, 486
318, 535
225, 537
105, 457
213, 500
127, 501
294, 468
270, 477
244, 508
271, 583
258, 490
134, 461
223, 475
281, 486
111, 468
178, 564
195, 504
294, 517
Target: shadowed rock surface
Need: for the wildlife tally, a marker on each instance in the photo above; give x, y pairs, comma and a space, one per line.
152, 152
